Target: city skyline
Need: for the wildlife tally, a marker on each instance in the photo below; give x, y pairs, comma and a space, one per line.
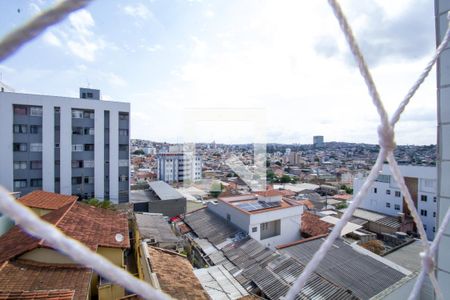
168, 58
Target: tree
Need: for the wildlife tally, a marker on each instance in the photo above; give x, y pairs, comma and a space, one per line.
376, 246
215, 189
278, 163
139, 152
285, 179
97, 203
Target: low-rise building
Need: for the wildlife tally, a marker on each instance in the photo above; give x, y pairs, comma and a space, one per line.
385, 195
159, 198
32, 265
264, 216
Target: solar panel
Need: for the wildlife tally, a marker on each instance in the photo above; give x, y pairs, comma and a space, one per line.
257, 205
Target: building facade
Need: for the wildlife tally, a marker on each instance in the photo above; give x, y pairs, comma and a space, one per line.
65, 145
179, 167
265, 217
442, 7
385, 196
318, 141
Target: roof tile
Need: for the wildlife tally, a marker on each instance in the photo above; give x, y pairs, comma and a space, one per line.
46, 200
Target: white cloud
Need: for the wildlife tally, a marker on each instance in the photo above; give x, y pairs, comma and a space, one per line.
51, 39
139, 11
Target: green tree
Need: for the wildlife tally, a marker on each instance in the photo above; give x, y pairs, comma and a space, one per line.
139, 152
285, 179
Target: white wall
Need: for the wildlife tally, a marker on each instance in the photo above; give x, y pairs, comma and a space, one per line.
66, 104
289, 225
237, 217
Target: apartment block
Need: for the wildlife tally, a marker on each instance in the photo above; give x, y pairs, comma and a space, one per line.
179, 166
385, 196
72, 146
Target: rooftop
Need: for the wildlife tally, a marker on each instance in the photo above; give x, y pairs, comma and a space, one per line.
175, 275
28, 279
46, 200
344, 266
255, 204
90, 225
164, 191
154, 226
312, 225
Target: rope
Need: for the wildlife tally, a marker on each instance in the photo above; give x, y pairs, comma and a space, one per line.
25, 33
40, 229
386, 136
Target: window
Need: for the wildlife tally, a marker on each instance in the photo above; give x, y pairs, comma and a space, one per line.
20, 165
397, 194
57, 145
88, 131
90, 95
384, 178
20, 128
123, 132
77, 147
374, 190
88, 163
388, 205
35, 129
88, 147
77, 114
77, 130
57, 179
35, 147
423, 212
123, 162
57, 110
254, 229
123, 178
423, 198
76, 180
388, 192
425, 227
434, 229
20, 110
434, 199
89, 180
397, 206
77, 164
36, 182
36, 165
434, 214
36, 111
270, 229
88, 114
20, 183
19, 147
123, 148
123, 116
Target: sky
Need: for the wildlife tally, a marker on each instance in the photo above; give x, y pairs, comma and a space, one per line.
235, 71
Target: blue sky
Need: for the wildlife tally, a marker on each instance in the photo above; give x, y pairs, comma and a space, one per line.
286, 60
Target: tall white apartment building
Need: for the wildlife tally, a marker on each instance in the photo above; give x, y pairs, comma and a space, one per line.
178, 166
72, 146
385, 196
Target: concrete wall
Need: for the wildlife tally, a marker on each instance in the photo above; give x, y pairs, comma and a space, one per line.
377, 201
64, 153
237, 217
443, 165
47, 255
170, 208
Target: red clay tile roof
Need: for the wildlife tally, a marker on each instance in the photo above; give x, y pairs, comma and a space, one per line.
306, 203
90, 225
313, 226
34, 295
46, 200
175, 275
344, 197
22, 275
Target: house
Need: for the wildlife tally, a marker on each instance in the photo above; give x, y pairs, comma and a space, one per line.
28, 264
170, 272
265, 216
154, 230
257, 268
159, 198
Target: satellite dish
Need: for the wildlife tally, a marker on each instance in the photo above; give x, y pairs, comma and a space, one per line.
119, 237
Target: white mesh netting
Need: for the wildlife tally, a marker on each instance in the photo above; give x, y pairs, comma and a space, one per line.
25, 218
